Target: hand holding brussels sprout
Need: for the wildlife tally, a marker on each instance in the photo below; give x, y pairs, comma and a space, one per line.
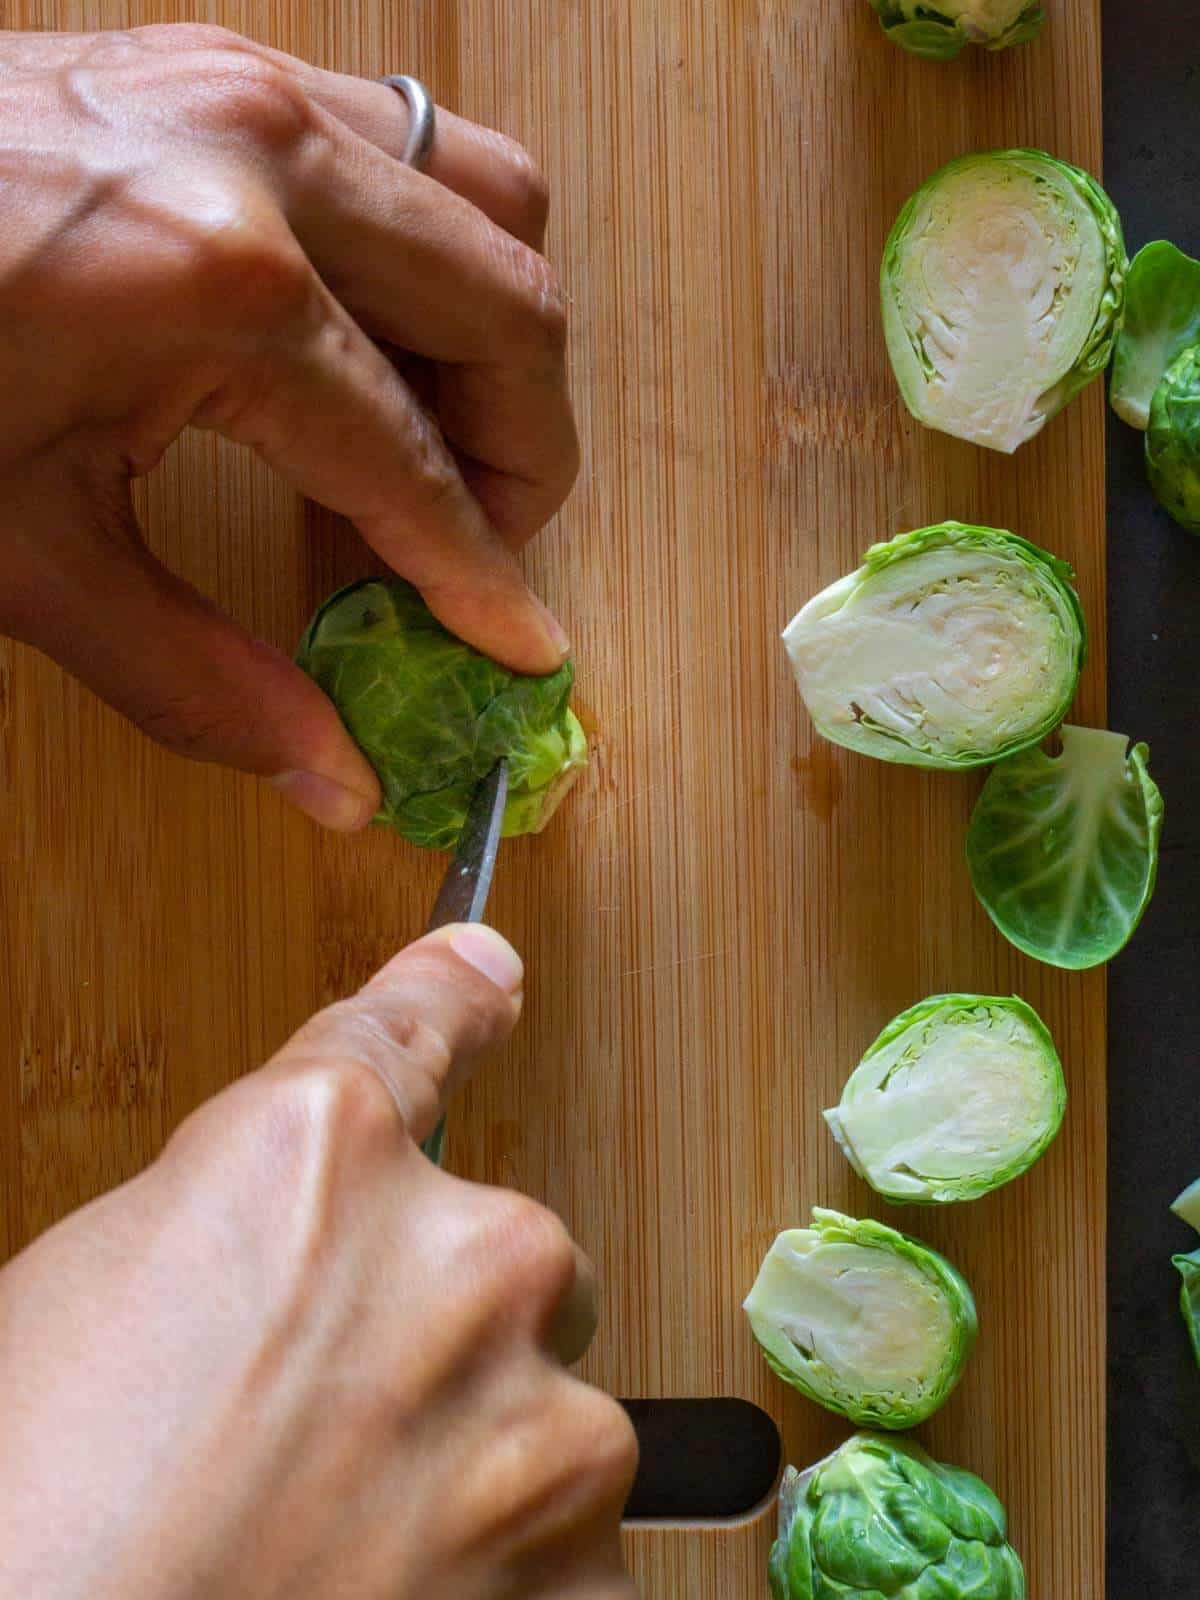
229, 222
939, 30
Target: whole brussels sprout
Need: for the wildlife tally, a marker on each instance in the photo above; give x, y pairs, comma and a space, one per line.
882, 1520
939, 31
1188, 1267
434, 716
1173, 440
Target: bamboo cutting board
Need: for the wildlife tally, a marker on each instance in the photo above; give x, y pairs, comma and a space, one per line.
729, 910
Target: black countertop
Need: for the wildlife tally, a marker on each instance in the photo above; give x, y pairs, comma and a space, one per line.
1152, 171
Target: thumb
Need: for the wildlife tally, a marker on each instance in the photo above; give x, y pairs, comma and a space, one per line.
81, 585
424, 1023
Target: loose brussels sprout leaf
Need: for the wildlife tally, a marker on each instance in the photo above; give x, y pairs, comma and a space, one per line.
1003, 281
880, 1518
1189, 1297
1063, 850
433, 716
960, 1094
1187, 1205
1173, 441
863, 1320
941, 30
949, 647
1162, 320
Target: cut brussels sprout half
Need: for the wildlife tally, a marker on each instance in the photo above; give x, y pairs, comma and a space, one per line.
1189, 1297
1003, 281
864, 1320
1187, 1205
1063, 850
1173, 441
949, 647
959, 1095
1162, 320
434, 716
940, 30
880, 1518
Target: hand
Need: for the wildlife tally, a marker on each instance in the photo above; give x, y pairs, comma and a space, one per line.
293, 1358
197, 229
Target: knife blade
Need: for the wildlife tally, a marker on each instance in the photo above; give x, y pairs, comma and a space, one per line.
463, 896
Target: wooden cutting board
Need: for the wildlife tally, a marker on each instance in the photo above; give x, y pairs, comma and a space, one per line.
729, 909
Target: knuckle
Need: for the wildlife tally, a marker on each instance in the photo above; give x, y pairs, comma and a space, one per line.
606, 1442
538, 319
250, 269
527, 183
185, 723
333, 1106
249, 95
530, 1248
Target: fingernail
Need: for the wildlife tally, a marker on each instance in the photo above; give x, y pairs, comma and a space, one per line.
325, 801
490, 953
553, 627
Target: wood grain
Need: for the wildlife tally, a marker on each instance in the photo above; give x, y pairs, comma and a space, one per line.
731, 909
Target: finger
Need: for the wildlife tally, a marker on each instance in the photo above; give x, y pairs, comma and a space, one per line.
322, 404
81, 586
575, 1320
425, 1022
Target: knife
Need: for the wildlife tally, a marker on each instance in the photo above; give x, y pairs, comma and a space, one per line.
463, 896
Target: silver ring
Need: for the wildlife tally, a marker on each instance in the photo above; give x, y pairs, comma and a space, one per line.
422, 118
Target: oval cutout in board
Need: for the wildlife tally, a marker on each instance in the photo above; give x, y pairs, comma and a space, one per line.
711, 1460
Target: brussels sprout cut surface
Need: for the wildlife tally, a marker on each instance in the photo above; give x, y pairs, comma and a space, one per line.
882, 1520
949, 647
1173, 440
1187, 1205
1189, 1297
1162, 320
863, 1320
1063, 850
433, 716
958, 1095
939, 31
1003, 282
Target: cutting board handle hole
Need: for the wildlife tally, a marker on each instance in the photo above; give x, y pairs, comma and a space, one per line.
715, 1460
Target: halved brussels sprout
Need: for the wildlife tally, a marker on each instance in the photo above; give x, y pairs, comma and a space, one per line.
864, 1320
433, 716
1003, 282
1173, 441
949, 647
1063, 850
960, 1094
940, 30
1187, 1205
1162, 320
1189, 1297
880, 1518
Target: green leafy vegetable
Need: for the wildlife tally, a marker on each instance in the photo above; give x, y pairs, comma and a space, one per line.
960, 1094
939, 31
1063, 850
864, 1320
1003, 283
1187, 1205
1189, 1297
1173, 440
433, 716
949, 647
1162, 320
881, 1520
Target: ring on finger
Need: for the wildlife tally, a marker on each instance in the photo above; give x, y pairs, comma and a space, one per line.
422, 112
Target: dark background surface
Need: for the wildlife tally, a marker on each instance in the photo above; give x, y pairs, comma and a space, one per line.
1152, 171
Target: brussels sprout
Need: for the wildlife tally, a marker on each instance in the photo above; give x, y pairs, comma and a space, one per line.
1187, 1205
1189, 1297
960, 1094
949, 647
864, 1320
1003, 281
1063, 850
1162, 320
880, 1518
433, 716
939, 31
1173, 440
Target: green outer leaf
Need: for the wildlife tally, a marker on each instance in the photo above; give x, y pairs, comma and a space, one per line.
1173, 441
1055, 579
1066, 897
1162, 320
433, 715
1189, 1297
1096, 350
880, 1518
1186, 1206
925, 31
942, 1009
814, 1379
